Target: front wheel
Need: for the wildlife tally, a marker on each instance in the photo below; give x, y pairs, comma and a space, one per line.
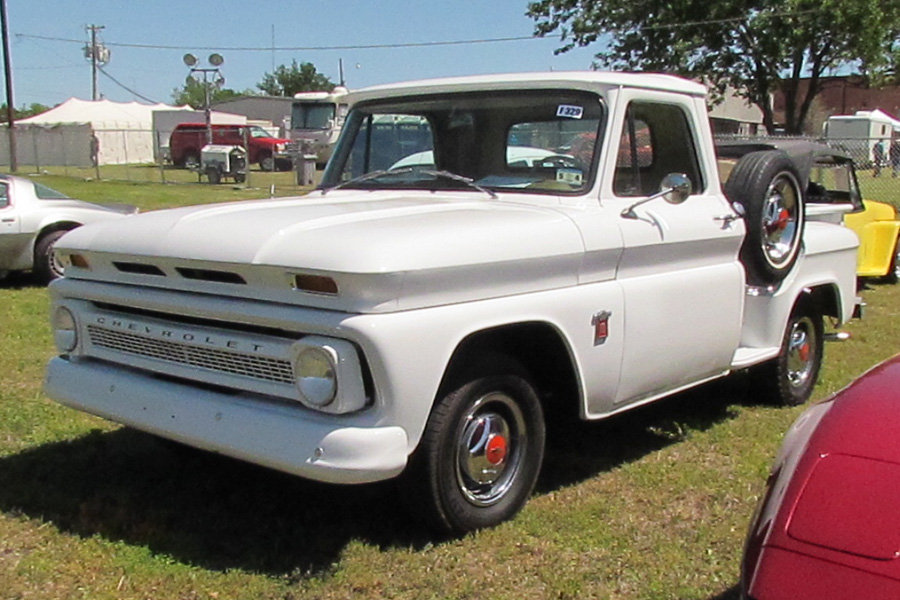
789, 379
481, 452
267, 163
893, 274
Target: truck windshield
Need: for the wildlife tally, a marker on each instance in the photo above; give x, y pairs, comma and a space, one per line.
258, 132
319, 115
524, 141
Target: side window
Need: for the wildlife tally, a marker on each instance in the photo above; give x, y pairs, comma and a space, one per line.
4, 195
657, 140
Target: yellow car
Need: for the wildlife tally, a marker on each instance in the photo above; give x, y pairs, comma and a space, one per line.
878, 230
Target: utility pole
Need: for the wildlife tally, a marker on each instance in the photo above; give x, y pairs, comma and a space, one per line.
10, 110
98, 54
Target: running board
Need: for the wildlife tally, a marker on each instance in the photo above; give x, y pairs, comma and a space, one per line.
747, 357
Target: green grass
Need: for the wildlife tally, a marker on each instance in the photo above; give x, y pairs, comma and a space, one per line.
652, 504
882, 189
181, 186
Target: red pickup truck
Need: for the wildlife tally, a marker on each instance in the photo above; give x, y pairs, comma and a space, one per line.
268, 152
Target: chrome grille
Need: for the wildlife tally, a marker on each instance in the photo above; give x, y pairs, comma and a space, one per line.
213, 359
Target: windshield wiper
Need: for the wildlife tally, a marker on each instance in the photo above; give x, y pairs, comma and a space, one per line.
404, 170
466, 180
364, 177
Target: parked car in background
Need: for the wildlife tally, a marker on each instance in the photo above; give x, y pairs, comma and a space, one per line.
33, 217
879, 231
268, 152
827, 525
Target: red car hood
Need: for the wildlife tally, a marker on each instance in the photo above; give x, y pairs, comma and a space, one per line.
832, 500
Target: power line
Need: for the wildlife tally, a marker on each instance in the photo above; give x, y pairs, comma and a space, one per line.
273, 48
289, 48
125, 87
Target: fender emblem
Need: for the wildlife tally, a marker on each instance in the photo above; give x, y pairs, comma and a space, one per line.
600, 321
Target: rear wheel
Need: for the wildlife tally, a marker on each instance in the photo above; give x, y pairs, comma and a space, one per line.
481, 452
767, 184
191, 160
46, 266
789, 379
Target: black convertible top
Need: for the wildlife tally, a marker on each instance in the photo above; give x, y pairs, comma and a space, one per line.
804, 153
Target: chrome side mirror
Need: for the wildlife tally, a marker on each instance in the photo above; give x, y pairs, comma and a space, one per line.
675, 188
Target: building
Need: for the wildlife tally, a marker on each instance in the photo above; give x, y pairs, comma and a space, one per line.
273, 109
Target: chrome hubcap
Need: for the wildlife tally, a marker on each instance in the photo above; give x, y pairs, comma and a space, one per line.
781, 215
801, 347
490, 447
56, 265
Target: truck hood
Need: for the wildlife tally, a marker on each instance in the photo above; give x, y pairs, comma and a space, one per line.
380, 247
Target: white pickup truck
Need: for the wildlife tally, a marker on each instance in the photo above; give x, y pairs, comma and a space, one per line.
482, 252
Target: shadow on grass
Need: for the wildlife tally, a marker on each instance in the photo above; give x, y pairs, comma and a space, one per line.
220, 513
18, 280
732, 593
578, 450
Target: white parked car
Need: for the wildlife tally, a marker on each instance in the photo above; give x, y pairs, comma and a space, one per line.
33, 217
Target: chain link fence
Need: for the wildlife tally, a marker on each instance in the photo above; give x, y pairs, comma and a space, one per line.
877, 162
135, 155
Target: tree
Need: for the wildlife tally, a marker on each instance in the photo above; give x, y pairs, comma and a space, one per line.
287, 81
756, 47
194, 94
23, 113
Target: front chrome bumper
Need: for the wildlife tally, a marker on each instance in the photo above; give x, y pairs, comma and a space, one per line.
289, 439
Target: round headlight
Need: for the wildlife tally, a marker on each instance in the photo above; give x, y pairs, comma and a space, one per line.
316, 379
65, 332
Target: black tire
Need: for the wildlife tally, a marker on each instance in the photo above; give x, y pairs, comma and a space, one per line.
214, 176
266, 162
893, 274
240, 177
481, 453
46, 266
789, 379
191, 160
768, 186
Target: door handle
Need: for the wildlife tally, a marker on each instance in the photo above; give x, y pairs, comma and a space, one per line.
727, 220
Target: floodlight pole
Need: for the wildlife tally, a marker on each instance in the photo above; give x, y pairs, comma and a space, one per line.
215, 60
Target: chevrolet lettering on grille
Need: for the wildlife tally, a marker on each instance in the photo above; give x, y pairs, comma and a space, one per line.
176, 335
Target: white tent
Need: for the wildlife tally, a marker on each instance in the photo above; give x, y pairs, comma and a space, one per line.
80, 132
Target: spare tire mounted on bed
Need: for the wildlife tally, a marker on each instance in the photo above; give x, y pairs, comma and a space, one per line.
767, 185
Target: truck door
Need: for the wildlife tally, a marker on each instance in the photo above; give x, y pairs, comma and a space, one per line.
682, 283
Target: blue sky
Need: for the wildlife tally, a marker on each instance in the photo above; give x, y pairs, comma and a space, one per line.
47, 39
